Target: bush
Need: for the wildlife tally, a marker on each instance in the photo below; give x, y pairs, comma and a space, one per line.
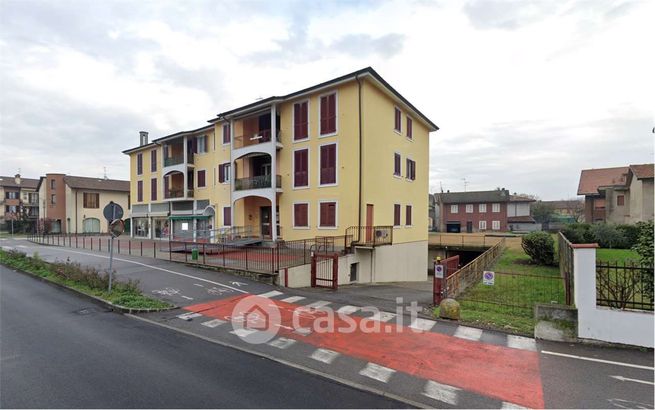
540, 247
630, 235
578, 233
644, 247
606, 235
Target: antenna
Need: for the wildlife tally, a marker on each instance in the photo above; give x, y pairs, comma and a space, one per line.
105, 171
465, 183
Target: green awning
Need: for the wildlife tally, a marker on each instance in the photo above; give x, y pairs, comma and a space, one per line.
186, 217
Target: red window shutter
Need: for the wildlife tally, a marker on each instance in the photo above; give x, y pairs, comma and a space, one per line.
221, 173
166, 193
409, 127
396, 164
396, 119
153, 189
396, 215
408, 215
139, 163
300, 172
329, 164
324, 115
300, 215
201, 179
227, 216
305, 120
226, 133
139, 191
153, 160
413, 170
332, 214
332, 114
323, 214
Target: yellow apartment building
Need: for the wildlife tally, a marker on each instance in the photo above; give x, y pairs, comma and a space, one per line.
347, 156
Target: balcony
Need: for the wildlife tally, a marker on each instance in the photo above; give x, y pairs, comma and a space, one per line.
260, 137
258, 182
178, 159
178, 193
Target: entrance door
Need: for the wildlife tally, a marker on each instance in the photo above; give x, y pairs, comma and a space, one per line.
369, 222
265, 220
469, 227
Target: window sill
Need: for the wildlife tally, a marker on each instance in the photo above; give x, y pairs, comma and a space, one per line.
332, 134
327, 185
399, 132
399, 176
300, 188
301, 227
410, 139
328, 228
295, 141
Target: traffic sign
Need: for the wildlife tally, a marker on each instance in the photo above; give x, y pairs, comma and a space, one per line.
488, 277
438, 271
116, 227
113, 211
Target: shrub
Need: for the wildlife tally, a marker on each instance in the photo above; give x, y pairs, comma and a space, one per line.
644, 247
607, 236
630, 235
540, 247
578, 233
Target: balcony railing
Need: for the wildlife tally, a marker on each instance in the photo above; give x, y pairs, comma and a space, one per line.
371, 235
178, 159
259, 137
259, 182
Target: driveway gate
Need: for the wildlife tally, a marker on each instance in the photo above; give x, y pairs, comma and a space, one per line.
325, 270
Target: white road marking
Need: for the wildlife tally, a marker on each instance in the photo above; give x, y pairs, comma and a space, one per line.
377, 372
270, 294
422, 324
318, 305
186, 297
243, 332
508, 405
441, 392
198, 284
293, 299
189, 316
303, 331
213, 323
154, 267
469, 333
382, 316
282, 342
324, 355
520, 342
348, 309
21, 246
627, 379
591, 359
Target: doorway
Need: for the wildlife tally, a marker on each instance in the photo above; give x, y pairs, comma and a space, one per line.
265, 220
469, 227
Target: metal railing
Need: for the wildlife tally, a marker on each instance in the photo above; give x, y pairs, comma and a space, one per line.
258, 182
371, 235
259, 137
471, 273
565, 253
624, 286
178, 159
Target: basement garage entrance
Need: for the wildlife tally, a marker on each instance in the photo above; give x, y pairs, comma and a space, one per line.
453, 227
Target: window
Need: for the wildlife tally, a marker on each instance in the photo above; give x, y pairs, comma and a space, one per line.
153, 160
153, 189
53, 199
227, 216
201, 178
396, 164
91, 200
328, 114
409, 128
301, 215
495, 207
396, 215
411, 169
396, 119
200, 144
226, 133
139, 191
328, 215
300, 121
139, 163
495, 225
620, 200
224, 173
469, 208
483, 225
328, 164
52, 184
408, 215
301, 168
482, 208
11, 195
454, 209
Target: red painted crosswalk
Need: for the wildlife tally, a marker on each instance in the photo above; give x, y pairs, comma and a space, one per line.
509, 375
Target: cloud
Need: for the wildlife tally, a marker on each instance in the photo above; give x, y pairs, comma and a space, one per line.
362, 45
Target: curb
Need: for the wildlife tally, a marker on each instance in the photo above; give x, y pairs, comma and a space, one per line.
98, 301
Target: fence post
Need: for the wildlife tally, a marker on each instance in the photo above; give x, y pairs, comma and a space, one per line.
108, 245
141, 248
154, 249
272, 260
246, 258
304, 251
170, 250
186, 257
223, 253
91, 242
204, 254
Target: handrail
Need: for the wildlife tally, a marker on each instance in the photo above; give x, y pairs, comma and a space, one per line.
374, 235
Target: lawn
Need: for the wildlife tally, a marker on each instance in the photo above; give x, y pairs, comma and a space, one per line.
617, 255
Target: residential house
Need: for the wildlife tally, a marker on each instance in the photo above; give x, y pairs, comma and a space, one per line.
481, 211
74, 204
18, 197
619, 194
326, 160
571, 210
433, 213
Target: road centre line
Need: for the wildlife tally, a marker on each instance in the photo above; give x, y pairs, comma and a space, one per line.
592, 359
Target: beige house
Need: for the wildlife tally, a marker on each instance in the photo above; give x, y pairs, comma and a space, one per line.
74, 204
18, 196
618, 195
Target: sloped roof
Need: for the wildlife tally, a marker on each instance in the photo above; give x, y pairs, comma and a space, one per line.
28, 183
592, 179
642, 171
565, 203
97, 184
497, 195
518, 198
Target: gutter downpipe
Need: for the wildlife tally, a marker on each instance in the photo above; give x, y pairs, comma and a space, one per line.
359, 96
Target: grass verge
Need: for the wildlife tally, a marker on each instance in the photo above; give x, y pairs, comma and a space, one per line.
490, 317
617, 255
84, 279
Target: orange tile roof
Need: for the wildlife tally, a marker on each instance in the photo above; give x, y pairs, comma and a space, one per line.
642, 170
592, 179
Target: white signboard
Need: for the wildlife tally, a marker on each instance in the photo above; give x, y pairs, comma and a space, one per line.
438, 271
488, 277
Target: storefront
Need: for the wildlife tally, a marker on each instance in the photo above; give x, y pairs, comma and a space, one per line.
189, 227
141, 228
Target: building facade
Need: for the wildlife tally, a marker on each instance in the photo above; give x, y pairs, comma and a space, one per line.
349, 152
19, 200
618, 195
73, 204
484, 211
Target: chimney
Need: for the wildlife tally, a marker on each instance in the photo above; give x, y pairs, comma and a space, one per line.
17, 179
143, 138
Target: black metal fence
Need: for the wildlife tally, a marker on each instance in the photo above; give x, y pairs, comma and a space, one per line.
624, 286
565, 253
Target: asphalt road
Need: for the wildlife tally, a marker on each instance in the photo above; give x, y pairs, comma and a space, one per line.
58, 350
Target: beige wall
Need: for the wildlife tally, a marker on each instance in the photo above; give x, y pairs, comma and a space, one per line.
641, 200
76, 212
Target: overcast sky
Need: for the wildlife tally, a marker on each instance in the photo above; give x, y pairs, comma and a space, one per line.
526, 93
